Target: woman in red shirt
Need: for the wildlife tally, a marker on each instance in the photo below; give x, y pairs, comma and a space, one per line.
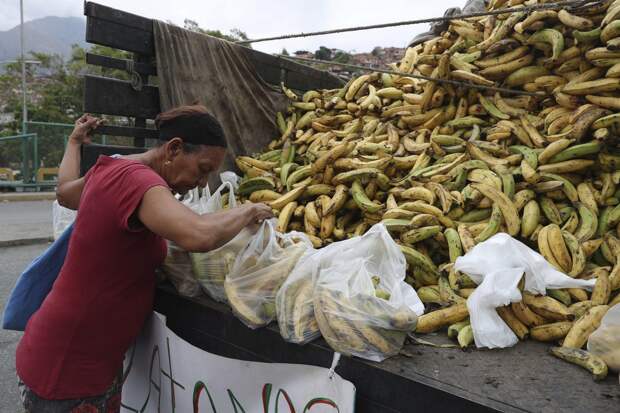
72, 350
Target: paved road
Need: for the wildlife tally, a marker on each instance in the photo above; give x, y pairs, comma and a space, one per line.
13, 260
21, 220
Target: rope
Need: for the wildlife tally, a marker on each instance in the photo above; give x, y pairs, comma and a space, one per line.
136, 79
570, 4
422, 77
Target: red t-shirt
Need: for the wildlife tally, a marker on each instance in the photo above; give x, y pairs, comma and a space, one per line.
74, 344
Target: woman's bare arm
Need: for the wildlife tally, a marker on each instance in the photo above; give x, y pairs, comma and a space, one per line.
164, 215
70, 185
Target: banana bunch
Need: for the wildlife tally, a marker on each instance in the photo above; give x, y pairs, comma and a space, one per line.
251, 289
295, 312
361, 325
446, 167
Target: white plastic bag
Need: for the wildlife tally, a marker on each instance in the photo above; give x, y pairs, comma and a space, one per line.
362, 304
177, 266
605, 341
61, 218
231, 178
212, 267
295, 299
259, 271
497, 265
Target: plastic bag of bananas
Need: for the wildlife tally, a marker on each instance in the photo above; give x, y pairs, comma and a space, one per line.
177, 267
259, 270
211, 268
294, 302
362, 304
605, 341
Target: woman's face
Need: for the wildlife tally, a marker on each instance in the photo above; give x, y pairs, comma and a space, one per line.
187, 170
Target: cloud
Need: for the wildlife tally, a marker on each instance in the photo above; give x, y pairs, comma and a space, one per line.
265, 18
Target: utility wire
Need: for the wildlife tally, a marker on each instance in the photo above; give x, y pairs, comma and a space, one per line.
570, 4
422, 77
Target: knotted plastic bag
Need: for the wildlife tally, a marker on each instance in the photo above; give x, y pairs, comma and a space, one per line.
259, 271
362, 304
605, 341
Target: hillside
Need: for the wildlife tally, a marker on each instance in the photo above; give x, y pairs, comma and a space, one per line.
53, 35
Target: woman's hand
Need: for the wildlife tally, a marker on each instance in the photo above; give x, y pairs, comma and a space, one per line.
259, 212
83, 129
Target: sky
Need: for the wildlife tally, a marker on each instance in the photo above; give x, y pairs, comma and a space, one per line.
265, 18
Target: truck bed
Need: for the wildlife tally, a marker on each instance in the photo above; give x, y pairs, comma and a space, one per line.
524, 378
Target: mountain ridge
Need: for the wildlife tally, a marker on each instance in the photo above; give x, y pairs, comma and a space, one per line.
51, 34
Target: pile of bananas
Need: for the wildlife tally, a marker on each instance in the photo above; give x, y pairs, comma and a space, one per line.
446, 167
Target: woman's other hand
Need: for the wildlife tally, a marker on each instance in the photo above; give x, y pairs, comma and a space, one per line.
83, 129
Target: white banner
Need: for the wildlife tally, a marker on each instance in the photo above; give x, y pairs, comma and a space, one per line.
167, 374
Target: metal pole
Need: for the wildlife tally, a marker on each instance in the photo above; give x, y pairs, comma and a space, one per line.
21, 36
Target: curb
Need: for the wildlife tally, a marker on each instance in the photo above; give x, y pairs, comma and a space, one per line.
25, 241
21, 197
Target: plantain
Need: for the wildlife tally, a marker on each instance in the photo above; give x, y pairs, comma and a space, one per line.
582, 358
584, 326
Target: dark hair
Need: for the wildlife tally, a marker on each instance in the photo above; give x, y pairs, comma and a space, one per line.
193, 123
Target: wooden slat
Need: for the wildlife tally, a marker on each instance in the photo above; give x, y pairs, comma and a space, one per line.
120, 64
127, 131
298, 76
102, 12
118, 36
117, 97
127, 31
90, 153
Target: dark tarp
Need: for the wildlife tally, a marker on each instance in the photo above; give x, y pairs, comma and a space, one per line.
196, 68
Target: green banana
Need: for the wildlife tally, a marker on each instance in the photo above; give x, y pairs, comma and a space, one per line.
568, 188
550, 210
476, 215
416, 259
455, 249
588, 36
529, 155
490, 107
508, 184
298, 175
588, 223
420, 234
361, 199
247, 186
576, 151
492, 226
552, 37
286, 169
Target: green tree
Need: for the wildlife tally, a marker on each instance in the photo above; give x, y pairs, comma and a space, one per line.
284, 52
233, 36
341, 57
323, 53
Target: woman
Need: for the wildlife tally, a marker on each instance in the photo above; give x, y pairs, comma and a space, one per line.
71, 353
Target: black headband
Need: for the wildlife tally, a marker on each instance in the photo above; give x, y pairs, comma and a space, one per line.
201, 129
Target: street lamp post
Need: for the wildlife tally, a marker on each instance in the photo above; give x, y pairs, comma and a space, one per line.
21, 35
